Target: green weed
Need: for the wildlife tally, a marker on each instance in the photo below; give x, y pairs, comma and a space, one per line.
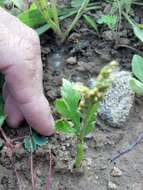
42, 15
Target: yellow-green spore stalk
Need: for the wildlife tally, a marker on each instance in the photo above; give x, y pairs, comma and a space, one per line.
88, 105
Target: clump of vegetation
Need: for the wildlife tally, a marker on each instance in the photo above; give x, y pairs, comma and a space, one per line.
78, 108
43, 15
136, 82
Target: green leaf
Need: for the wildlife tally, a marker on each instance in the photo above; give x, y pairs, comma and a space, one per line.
89, 121
136, 86
137, 67
76, 3
64, 127
62, 107
109, 20
39, 139
1, 3
19, 4
29, 146
90, 22
71, 97
32, 18
137, 31
42, 29
2, 119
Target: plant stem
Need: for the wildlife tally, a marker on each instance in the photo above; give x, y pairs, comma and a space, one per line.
77, 17
55, 12
49, 180
31, 162
42, 6
79, 155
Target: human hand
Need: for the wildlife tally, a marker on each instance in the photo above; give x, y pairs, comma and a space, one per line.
20, 62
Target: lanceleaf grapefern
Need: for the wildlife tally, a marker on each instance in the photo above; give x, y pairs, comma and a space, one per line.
78, 108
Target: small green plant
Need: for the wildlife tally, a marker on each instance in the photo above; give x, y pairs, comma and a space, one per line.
53, 21
109, 20
136, 82
43, 15
78, 108
114, 17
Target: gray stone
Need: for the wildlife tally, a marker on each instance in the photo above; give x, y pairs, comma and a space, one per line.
71, 60
116, 107
116, 172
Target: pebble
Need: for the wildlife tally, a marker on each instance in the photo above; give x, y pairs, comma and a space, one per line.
112, 186
55, 61
116, 172
109, 35
71, 60
117, 104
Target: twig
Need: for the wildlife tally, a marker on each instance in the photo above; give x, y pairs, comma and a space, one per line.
58, 186
31, 162
17, 176
7, 140
138, 3
129, 148
130, 47
49, 179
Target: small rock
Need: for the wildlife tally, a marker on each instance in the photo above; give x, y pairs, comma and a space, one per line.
71, 60
112, 186
108, 35
39, 173
116, 172
62, 137
89, 136
89, 162
118, 102
55, 61
91, 82
63, 148
124, 41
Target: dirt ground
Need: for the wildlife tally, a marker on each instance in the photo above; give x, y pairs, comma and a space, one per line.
92, 53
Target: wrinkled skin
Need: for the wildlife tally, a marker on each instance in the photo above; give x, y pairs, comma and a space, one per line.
20, 62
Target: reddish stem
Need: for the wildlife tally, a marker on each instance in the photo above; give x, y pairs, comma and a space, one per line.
31, 163
49, 178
